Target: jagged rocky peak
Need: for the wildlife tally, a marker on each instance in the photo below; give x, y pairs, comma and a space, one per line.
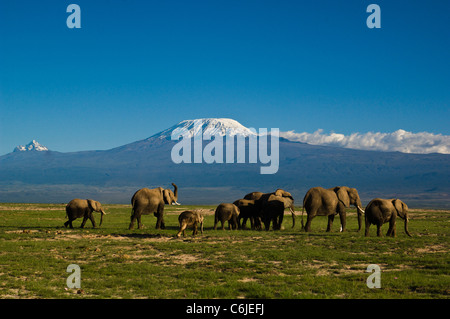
212, 126
32, 146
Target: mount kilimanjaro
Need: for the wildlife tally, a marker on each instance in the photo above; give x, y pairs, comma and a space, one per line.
34, 173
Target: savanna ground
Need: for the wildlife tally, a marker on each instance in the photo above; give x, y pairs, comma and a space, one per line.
35, 250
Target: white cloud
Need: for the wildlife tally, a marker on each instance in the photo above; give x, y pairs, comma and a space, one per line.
400, 140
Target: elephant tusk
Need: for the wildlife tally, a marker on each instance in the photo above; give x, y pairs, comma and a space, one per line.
176, 203
340, 230
361, 209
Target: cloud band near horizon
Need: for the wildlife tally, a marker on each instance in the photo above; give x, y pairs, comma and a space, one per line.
400, 140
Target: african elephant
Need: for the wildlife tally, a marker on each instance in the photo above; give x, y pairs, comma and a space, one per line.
248, 210
273, 211
264, 207
77, 208
226, 212
146, 201
319, 201
380, 211
190, 219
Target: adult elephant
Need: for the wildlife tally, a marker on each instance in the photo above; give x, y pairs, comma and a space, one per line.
77, 208
380, 211
273, 210
147, 201
227, 212
268, 210
319, 201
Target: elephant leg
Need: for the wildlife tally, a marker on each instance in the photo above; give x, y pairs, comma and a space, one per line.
258, 225
140, 226
275, 223
158, 223
391, 230
182, 228
69, 222
343, 218
367, 228
379, 229
84, 221
91, 217
330, 222
235, 222
195, 230
132, 219
267, 224
308, 222
160, 218
280, 220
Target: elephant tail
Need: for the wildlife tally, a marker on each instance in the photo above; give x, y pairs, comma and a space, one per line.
293, 217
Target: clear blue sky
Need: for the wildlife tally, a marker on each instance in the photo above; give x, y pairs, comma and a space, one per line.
137, 67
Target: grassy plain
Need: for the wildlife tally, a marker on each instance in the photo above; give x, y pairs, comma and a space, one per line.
35, 250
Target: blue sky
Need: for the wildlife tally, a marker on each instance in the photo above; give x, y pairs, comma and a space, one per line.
138, 67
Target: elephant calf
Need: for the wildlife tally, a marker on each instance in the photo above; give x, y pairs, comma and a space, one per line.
190, 219
77, 208
227, 212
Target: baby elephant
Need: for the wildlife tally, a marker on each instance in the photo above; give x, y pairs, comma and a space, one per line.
190, 219
83, 208
227, 212
380, 211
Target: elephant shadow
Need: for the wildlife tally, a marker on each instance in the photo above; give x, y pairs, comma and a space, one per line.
140, 236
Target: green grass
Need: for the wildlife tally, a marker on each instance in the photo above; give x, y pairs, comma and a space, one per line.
35, 250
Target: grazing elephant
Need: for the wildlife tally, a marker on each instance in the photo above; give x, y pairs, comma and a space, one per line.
273, 211
146, 201
227, 212
190, 219
77, 208
380, 211
248, 210
319, 201
262, 200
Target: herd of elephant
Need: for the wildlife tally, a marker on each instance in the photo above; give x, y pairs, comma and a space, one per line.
260, 208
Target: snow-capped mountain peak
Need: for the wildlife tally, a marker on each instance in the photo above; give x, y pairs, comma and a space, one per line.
211, 126
32, 146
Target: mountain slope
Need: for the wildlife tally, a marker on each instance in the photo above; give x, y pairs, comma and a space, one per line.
113, 175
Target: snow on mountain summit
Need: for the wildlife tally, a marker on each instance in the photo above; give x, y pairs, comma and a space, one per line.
212, 126
32, 146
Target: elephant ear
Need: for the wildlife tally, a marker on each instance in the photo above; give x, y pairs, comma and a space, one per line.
279, 192
400, 207
342, 195
94, 205
282, 193
166, 196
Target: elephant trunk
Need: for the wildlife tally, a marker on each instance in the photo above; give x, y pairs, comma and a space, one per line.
175, 192
359, 212
406, 226
101, 216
